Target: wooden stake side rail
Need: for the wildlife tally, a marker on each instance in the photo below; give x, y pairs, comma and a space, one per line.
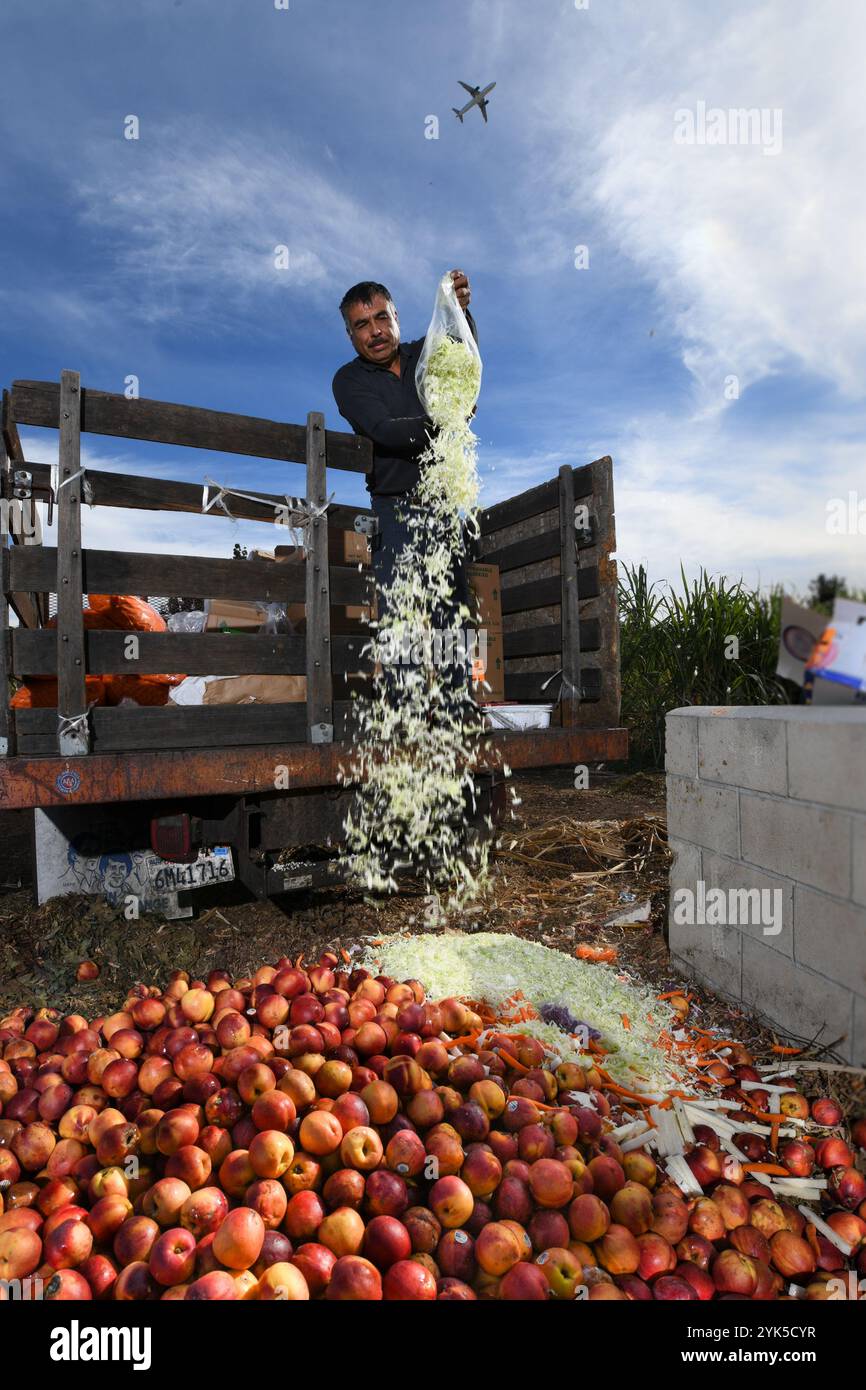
559, 600
103, 489
99, 778
186, 426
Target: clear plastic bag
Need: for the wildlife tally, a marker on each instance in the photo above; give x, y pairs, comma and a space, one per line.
448, 374
187, 621
277, 621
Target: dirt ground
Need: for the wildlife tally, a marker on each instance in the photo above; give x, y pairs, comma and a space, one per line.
566, 863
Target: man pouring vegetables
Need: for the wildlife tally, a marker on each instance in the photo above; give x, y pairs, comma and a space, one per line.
378, 394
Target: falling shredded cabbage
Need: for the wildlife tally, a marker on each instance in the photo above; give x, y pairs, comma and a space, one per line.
492, 966
411, 766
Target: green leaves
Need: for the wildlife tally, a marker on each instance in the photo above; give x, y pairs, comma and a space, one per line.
715, 643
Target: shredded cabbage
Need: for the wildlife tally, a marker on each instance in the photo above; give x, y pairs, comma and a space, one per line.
492, 966
411, 765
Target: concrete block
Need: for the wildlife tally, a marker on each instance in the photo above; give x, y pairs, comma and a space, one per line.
776, 895
713, 955
704, 814
858, 1049
800, 841
685, 867
858, 854
743, 753
830, 937
681, 746
795, 999
827, 762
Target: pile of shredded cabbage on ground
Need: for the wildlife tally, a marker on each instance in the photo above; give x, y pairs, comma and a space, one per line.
492, 966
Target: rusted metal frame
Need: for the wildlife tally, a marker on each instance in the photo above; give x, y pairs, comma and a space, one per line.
570, 697
320, 693
182, 773
73, 735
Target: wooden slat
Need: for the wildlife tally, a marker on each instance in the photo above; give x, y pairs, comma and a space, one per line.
531, 503
30, 608
527, 685
164, 495
607, 712
71, 700
206, 653
542, 641
7, 725
541, 593
103, 412
320, 695
530, 550
195, 576
520, 553
199, 726
570, 616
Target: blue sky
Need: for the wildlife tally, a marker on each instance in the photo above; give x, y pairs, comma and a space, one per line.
306, 127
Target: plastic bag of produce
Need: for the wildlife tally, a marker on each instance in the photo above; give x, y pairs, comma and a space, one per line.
448, 374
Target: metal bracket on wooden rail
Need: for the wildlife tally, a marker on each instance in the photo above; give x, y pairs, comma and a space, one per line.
322, 733
366, 525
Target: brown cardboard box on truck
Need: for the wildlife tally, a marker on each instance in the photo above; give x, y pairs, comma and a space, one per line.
232, 613
348, 548
484, 585
488, 666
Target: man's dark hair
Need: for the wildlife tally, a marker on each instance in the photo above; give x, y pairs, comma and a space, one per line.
362, 293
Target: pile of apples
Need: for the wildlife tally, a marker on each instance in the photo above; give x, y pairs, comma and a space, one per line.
316, 1132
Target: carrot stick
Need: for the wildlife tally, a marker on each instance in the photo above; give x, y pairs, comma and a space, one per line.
624, 1019
468, 1039
512, 1061
786, 1051
346, 957
773, 1169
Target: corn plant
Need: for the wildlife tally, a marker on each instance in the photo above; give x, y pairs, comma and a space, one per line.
715, 643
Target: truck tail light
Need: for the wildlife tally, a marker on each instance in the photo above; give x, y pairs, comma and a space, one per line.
171, 838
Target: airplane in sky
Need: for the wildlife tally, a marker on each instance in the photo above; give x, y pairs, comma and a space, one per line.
478, 99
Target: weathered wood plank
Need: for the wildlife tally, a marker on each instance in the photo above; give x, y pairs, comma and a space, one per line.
164, 495
104, 412
163, 726
531, 503
320, 695
30, 608
547, 639
539, 593
570, 614
71, 701
527, 685
530, 550
196, 576
197, 654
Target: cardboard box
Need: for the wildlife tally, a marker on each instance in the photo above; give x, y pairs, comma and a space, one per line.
230, 613
484, 585
348, 548
488, 666
259, 690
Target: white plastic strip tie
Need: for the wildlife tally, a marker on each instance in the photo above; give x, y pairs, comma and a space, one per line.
301, 512
75, 724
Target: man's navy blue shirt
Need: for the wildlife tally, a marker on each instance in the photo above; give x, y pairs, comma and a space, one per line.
385, 409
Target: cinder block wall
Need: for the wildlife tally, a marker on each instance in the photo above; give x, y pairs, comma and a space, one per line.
773, 798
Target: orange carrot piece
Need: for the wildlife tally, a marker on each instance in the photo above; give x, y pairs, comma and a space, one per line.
512, 1061
786, 1051
772, 1169
346, 957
